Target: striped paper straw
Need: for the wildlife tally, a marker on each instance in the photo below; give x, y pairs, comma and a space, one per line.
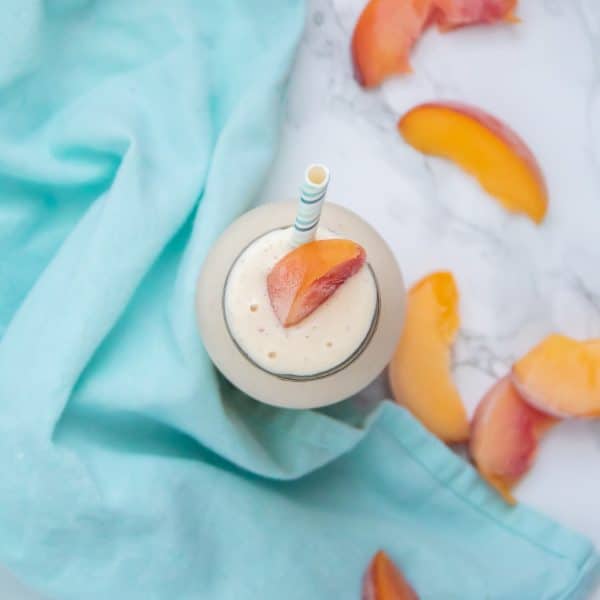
312, 195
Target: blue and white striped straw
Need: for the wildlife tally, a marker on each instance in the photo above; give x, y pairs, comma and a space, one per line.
312, 196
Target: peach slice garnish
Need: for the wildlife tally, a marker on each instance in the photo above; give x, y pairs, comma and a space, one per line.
303, 279
387, 30
505, 432
383, 581
419, 372
561, 377
383, 37
483, 146
458, 13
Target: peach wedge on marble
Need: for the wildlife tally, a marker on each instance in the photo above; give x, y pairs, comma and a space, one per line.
307, 276
419, 371
387, 30
384, 36
383, 581
484, 147
561, 377
505, 432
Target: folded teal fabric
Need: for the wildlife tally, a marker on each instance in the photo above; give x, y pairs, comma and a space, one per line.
131, 134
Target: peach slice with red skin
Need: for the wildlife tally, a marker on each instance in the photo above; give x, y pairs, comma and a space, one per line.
483, 146
307, 276
383, 37
505, 432
383, 581
561, 377
419, 371
387, 30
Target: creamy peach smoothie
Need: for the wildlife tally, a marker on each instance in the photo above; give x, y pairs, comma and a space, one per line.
323, 341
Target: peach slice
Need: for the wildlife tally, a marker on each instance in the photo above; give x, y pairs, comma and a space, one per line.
383, 581
458, 13
505, 432
482, 146
383, 37
303, 279
387, 30
561, 377
419, 372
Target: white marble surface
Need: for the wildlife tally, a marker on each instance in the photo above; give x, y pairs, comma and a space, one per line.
518, 282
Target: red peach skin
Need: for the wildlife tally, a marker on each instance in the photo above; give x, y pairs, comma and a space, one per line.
303, 279
505, 432
458, 13
383, 581
484, 147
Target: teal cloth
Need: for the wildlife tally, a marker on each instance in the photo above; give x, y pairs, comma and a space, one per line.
131, 134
